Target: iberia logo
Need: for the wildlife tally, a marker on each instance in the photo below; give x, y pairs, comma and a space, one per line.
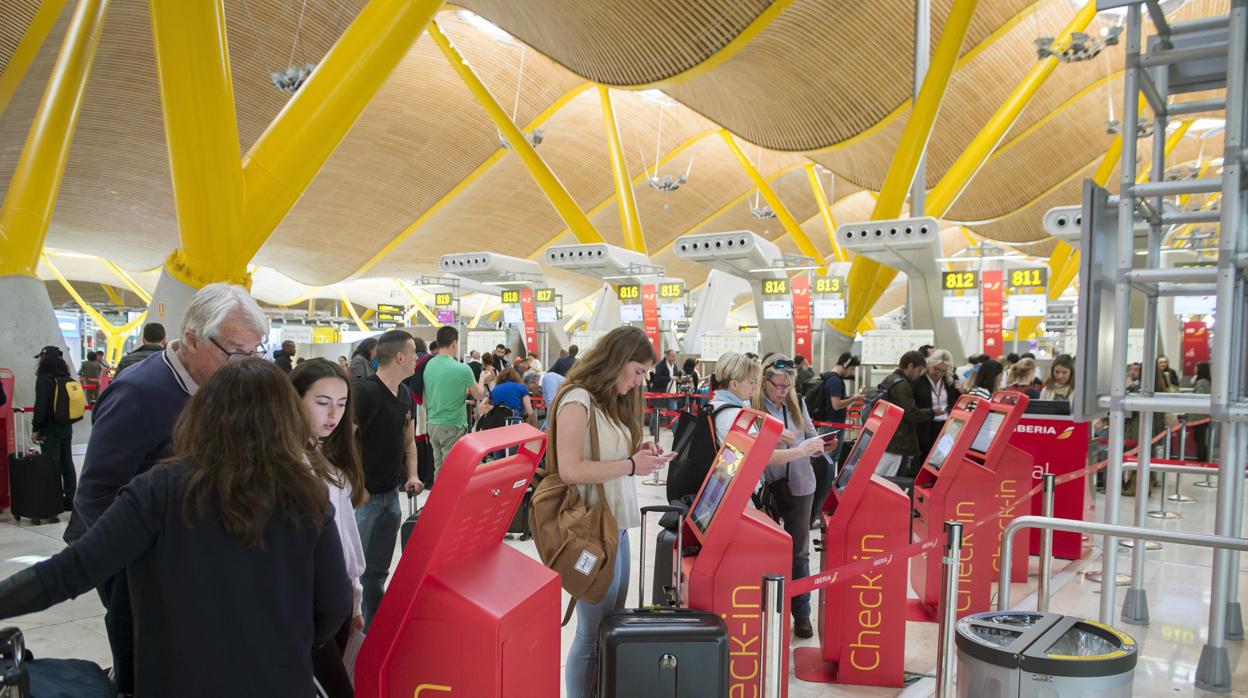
1066, 434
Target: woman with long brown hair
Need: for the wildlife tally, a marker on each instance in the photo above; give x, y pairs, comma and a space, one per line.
234, 562
607, 383
326, 393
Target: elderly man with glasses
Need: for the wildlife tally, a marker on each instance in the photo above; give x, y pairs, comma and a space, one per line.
132, 428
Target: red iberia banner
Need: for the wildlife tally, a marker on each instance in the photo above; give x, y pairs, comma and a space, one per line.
1195, 345
801, 316
993, 299
650, 315
530, 319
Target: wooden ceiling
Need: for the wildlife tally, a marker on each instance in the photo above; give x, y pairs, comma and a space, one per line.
422, 173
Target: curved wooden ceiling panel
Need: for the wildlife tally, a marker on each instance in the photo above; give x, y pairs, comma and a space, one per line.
614, 43
13, 23
404, 154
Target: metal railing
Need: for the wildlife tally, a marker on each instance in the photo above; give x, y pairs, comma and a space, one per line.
1201, 540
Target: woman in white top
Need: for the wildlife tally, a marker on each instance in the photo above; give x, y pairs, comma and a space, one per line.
326, 393
606, 382
1061, 383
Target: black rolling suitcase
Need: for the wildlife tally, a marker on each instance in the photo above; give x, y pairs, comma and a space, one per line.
662, 652
413, 515
35, 486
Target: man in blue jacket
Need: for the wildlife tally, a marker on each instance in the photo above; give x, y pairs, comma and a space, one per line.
132, 427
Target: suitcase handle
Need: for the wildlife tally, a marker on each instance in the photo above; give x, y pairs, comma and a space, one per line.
411, 503
680, 531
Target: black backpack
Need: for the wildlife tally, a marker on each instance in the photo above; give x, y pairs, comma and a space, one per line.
816, 403
696, 446
416, 383
880, 393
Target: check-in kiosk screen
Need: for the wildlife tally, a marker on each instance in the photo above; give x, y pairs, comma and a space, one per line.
944, 444
725, 467
847, 470
988, 432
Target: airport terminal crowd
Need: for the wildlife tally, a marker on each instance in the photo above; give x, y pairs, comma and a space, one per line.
240, 507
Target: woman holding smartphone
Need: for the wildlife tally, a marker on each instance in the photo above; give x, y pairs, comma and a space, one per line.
738, 377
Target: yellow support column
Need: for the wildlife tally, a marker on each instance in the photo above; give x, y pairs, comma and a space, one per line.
867, 279
129, 281
782, 212
417, 306
32, 193
630, 222
347, 306
286, 157
825, 212
201, 130
946, 192
545, 178
116, 334
36, 33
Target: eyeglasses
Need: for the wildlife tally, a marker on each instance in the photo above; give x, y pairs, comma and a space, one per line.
231, 355
779, 386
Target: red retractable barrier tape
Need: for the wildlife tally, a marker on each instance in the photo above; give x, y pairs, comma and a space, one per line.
738, 545
862, 623
466, 614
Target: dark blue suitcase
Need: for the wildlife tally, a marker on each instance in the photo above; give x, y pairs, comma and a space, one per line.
660, 652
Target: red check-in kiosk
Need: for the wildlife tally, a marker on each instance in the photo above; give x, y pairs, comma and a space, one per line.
1013, 467
466, 614
970, 474
862, 623
736, 545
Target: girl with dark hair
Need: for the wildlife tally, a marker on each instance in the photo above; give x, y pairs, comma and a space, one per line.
326, 393
605, 385
233, 560
986, 380
51, 427
364, 359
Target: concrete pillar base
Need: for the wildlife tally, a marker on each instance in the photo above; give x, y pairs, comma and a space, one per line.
169, 303
27, 324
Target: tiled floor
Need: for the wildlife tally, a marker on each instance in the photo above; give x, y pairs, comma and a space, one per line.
1177, 582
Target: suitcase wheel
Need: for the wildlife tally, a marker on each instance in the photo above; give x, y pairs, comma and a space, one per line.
526, 536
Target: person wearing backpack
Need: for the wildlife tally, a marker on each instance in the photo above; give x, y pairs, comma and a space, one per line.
54, 416
898, 389
587, 500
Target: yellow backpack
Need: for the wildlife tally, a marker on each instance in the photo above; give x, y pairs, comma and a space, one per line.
76, 400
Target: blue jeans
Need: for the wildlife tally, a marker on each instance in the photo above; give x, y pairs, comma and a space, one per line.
378, 520
582, 671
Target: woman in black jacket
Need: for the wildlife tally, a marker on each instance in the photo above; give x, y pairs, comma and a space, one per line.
935, 384
234, 562
50, 427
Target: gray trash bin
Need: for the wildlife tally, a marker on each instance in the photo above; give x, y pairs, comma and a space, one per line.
1018, 654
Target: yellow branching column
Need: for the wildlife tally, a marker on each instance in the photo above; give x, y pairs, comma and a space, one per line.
545, 178
868, 279
27, 320
630, 222
228, 207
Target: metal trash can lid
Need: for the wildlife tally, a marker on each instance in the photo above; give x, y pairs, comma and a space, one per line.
1078, 647
1001, 637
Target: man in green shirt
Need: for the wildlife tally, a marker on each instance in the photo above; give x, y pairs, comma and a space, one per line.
447, 384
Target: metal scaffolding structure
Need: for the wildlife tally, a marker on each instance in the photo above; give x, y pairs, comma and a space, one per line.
1198, 56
